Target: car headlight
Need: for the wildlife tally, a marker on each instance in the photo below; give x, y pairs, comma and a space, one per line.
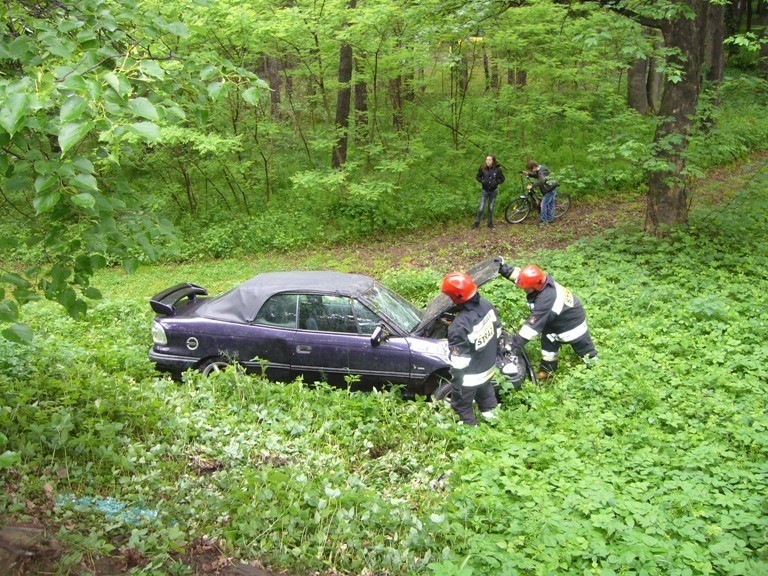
158, 334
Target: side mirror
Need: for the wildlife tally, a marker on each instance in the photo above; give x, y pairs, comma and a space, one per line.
379, 335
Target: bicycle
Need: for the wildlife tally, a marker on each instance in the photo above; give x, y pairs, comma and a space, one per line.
519, 208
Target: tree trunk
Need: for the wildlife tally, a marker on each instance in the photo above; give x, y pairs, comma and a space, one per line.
734, 13
272, 74
655, 81
637, 93
667, 204
343, 106
714, 57
361, 106
762, 67
396, 97
343, 99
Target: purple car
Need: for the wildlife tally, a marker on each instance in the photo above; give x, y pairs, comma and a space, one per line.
318, 325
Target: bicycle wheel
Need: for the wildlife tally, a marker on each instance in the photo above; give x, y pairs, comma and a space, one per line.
562, 204
517, 210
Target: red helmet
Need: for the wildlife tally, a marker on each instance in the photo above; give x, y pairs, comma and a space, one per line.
459, 287
531, 277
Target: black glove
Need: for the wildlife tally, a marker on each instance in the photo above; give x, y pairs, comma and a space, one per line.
506, 270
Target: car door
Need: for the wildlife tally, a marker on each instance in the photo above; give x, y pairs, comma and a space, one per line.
269, 339
333, 342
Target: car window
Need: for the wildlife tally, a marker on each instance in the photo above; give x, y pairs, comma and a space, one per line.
279, 310
366, 319
393, 306
326, 313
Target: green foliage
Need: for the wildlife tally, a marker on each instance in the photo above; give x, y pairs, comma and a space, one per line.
653, 461
83, 86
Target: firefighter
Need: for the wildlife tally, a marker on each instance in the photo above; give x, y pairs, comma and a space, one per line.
557, 315
473, 339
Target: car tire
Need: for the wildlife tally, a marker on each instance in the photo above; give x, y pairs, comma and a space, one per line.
443, 392
213, 365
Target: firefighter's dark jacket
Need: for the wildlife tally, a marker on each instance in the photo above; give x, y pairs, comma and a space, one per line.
473, 341
556, 313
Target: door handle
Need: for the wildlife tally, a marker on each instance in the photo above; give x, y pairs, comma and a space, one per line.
303, 349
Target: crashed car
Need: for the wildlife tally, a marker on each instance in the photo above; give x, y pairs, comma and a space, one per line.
322, 326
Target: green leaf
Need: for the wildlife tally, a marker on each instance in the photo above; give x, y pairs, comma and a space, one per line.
85, 182
72, 109
92, 293
251, 95
214, 90
70, 134
148, 130
19, 333
13, 113
15, 279
179, 29
119, 84
8, 242
45, 202
113, 81
130, 265
21, 47
8, 459
98, 261
9, 311
208, 72
151, 68
84, 200
43, 183
143, 108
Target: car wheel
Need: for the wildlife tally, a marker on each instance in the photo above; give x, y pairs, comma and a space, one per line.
213, 365
443, 392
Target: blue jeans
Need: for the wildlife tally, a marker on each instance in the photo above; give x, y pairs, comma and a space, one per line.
489, 197
548, 206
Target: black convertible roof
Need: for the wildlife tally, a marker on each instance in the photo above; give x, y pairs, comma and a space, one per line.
243, 302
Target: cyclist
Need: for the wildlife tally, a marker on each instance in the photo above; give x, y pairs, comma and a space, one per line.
473, 342
545, 182
557, 315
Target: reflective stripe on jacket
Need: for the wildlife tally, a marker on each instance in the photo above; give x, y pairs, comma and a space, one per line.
473, 341
556, 312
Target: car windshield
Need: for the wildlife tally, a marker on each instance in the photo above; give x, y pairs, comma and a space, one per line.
387, 303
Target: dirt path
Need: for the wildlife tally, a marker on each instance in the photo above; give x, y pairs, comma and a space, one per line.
455, 246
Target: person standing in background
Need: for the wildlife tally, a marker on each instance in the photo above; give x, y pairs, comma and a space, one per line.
490, 177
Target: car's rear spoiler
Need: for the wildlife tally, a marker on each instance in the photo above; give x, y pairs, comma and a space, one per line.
164, 303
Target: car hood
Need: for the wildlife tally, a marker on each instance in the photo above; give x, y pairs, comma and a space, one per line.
482, 273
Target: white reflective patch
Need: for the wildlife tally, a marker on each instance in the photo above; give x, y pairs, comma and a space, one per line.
564, 298
549, 356
483, 332
460, 362
573, 333
527, 332
472, 380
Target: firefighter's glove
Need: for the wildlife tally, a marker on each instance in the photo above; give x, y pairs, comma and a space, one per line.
506, 270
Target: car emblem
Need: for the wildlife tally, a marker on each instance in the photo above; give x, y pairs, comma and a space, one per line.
192, 343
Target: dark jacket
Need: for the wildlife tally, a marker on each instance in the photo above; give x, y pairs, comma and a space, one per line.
473, 340
556, 313
545, 181
490, 178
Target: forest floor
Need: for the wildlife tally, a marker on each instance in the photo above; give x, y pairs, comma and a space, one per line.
32, 549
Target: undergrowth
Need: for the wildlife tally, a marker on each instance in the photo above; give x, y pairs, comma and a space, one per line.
653, 462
